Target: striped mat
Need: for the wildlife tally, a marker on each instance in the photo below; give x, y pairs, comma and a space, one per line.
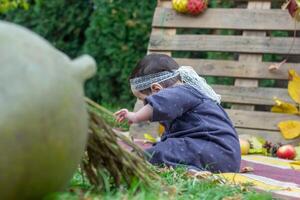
278, 176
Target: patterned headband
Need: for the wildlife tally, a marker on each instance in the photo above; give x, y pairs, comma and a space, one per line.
188, 76
144, 82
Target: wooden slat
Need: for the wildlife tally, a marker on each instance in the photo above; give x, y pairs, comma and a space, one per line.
162, 31
250, 57
240, 69
165, 31
258, 120
243, 44
253, 96
236, 19
271, 136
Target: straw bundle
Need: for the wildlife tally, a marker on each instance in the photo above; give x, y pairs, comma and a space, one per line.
104, 155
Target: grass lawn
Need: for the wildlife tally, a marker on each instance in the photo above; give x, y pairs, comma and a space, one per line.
174, 184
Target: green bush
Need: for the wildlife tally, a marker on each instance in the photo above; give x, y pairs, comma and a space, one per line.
117, 37
7, 5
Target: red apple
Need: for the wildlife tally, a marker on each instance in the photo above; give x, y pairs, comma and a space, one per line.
196, 7
286, 152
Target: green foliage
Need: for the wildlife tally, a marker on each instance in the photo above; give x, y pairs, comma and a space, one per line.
117, 37
61, 22
221, 3
7, 5
174, 185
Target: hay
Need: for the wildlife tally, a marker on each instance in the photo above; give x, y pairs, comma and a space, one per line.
104, 155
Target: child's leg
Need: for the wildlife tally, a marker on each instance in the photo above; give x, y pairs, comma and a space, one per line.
195, 154
173, 152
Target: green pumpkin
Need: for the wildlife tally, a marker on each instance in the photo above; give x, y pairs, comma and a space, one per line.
43, 118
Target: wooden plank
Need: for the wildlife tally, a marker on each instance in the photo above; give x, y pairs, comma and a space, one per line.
253, 96
162, 31
240, 69
272, 136
243, 44
222, 18
258, 120
249, 57
165, 31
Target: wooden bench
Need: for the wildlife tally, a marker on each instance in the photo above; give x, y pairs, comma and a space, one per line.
249, 104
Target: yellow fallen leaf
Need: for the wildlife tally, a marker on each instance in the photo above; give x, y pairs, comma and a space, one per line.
290, 129
295, 162
284, 107
161, 130
294, 85
150, 138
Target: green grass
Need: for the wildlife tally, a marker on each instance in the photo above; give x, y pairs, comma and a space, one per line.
174, 185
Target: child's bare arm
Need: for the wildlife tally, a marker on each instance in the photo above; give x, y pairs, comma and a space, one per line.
144, 114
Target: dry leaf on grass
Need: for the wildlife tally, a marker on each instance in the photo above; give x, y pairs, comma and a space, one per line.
247, 170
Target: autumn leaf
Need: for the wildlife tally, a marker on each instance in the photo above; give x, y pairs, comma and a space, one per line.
161, 130
294, 86
150, 138
290, 129
284, 107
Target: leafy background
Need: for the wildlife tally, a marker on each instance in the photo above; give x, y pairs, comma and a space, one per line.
114, 32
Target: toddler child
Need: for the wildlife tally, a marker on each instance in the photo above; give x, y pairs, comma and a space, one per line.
198, 133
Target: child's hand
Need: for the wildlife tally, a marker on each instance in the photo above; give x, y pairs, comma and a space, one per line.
123, 114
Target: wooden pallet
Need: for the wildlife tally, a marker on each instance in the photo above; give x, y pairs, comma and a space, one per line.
251, 42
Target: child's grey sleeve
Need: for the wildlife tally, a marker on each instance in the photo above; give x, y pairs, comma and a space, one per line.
171, 103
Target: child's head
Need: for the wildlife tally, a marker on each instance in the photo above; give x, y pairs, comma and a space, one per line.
152, 64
